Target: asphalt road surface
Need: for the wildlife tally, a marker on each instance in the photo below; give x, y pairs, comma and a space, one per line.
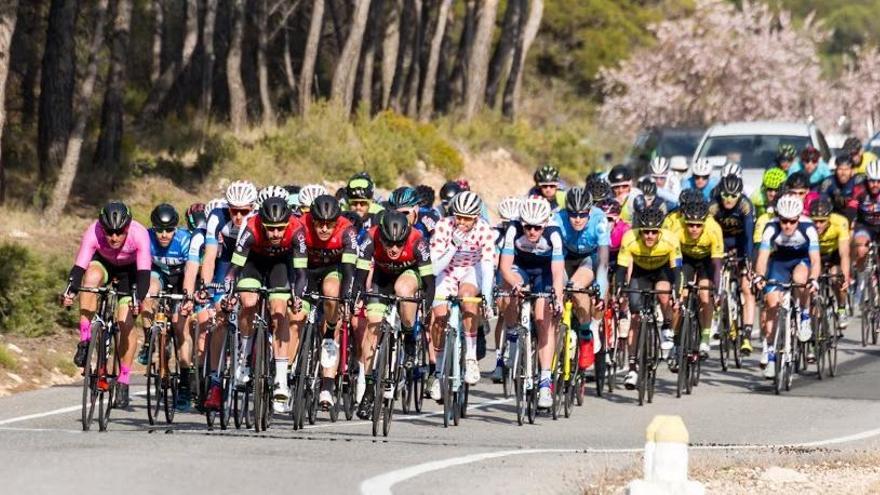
43, 450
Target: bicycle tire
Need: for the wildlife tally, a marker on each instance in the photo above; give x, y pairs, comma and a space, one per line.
421, 371
654, 361
641, 360
779, 347
259, 378
89, 387
724, 334
446, 379
832, 344
231, 393
790, 361
350, 387
684, 353
532, 410
381, 360
394, 373
568, 397
556, 377
464, 387
313, 379
599, 363
866, 322
172, 385
154, 392
111, 362
302, 367
210, 415
519, 385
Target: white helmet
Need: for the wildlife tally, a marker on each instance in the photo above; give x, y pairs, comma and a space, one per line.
732, 168
872, 170
701, 166
659, 166
789, 206
309, 192
241, 193
535, 211
508, 208
215, 204
466, 203
271, 192
678, 163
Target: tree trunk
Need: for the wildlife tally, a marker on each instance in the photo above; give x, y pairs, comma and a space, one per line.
346, 67
172, 73
26, 51
262, 63
8, 15
108, 153
61, 191
512, 90
158, 25
307, 73
407, 30
390, 51
289, 75
56, 87
237, 97
502, 57
459, 79
414, 75
208, 63
427, 104
479, 60
368, 61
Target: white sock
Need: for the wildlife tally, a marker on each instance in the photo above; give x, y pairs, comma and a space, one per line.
498, 353
281, 371
545, 375
470, 342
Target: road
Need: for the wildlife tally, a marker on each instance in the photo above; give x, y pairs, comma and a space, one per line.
42, 449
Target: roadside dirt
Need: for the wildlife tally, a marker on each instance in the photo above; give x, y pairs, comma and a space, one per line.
30, 363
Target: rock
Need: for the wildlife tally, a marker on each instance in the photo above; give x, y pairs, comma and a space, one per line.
14, 377
776, 474
18, 234
14, 348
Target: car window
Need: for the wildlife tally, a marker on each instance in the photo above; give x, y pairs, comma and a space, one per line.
751, 151
823, 145
683, 143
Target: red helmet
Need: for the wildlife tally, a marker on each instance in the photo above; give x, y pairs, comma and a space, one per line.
810, 154
463, 184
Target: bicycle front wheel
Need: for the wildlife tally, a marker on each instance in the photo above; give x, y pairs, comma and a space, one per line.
154, 386
90, 378
303, 363
381, 360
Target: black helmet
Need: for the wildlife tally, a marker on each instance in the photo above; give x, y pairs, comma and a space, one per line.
546, 175
798, 180
651, 218
695, 211
403, 197
578, 200
274, 211
164, 216
600, 189
426, 195
851, 146
114, 216
619, 174
359, 187
689, 196
325, 208
648, 186
448, 191
196, 217
592, 177
821, 208
393, 226
731, 185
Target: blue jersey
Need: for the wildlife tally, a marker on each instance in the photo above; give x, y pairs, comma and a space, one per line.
583, 243
426, 221
800, 244
737, 224
197, 243
822, 172
170, 260
707, 191
528, 254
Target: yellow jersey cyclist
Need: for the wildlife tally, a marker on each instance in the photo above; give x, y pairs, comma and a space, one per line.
834, 240
547, 187
702, 251
649, 258
789, 252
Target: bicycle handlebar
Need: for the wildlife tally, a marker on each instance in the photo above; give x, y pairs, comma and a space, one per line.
391, 298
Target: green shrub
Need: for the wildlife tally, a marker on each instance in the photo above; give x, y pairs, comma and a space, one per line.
7, 360
29, 288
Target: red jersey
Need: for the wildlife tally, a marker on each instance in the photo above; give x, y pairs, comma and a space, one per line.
341, 247
415, 254
252, 239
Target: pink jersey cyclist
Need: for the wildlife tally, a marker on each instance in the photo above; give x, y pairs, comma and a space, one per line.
463, 257
131, 258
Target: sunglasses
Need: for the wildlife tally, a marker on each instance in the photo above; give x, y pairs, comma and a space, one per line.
701, 177
650, 231
548, 186
873, 181
621, 186
693, 225
580, 214
396, 244
325, 225
275, 228
360, 203
819, 221
787, 221
239, 211
533, 228
729, 196
116, 233
164, 230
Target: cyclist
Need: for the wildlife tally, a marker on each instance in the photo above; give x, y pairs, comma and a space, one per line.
405, 200
789, 252
447, 192
306, 196
798, 184
427, 196
649, 258
867, 222
463, 253
735, 214
785, 155
401, 260
175, 268
702, 250
532, 255
359, 198
599, 189
586, 238
621, 179
858, 156
812, 164
766, 195
834, 241
701, 178
114, 247
666, 182
840, 187
332, 251
508, 211
651, 195
547, 186
270, 252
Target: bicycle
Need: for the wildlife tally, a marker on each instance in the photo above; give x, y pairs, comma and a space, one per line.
453, 388
729, 314
263, 369
689, 360
648, 345
388, 361
870, 304
566, 381
825, 326
416, 371
785, 337
163, 365
101, 370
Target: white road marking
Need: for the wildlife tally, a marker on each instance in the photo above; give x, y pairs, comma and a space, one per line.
53, 412
410, 417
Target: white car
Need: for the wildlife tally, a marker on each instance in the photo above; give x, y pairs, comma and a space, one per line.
754, 145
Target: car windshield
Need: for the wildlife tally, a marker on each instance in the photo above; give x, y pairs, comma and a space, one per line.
679, 143
751, 151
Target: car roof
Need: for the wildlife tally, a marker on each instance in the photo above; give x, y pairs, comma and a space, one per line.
761, 128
